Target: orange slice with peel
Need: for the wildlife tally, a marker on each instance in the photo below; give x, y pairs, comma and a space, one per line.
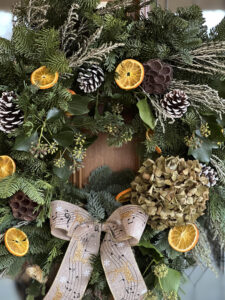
7, 166
43, 78
130, 74
124, 196
16, 242
183, 238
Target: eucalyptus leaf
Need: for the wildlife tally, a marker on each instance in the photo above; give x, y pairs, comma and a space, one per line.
79, 105
145, 113
171, 282
53, 114
23, 142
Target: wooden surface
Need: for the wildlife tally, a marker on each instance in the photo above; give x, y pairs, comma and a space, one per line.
100, 154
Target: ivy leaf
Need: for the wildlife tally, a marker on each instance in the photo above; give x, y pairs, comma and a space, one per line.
79, 105
64, 138
53, 114
204, 152
171, 282
145, 113
146, 248
63, 173
23, 142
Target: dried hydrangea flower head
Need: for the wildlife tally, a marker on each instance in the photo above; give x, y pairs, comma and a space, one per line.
172, 191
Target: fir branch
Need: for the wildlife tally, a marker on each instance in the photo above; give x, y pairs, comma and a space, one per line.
94, 206
207, 60
69, 34
216, 213
219, 165
88, 54
202, 96
32, 12
6, 51
12, 184
202, 252
115, 5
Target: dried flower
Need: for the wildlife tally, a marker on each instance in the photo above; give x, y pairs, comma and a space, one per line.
150, 296
172, 191
39, 150
161, 271
170, 296
60, 162
53, 148
117, 108
205, 131
192, 141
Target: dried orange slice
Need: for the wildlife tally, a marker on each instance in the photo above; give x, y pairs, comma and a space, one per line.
130, 74
16, 242
183, 238
43, 78
124, 196
67, 113
7, 166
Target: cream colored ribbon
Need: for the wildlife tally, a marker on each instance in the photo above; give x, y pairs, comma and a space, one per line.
123, 229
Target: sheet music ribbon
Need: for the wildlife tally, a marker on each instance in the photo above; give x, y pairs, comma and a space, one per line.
123, 229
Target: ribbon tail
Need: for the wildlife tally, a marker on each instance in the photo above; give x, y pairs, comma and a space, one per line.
122, 273
75, 271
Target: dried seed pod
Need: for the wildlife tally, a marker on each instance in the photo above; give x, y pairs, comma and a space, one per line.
23, 207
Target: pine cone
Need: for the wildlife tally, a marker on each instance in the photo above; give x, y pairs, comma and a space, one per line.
171, 191
158, 76
11, 116
90, 79
23, 207
175, 103
209, 173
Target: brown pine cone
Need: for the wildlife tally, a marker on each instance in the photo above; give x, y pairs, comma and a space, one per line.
158, 76
23, 207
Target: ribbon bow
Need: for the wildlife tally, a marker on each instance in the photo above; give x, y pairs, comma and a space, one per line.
123, 229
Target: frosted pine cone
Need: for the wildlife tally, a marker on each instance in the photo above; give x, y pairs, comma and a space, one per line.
211, 174
175, 103
11, 116
90, 79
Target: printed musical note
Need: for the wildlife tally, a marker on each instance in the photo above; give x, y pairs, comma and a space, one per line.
68, 217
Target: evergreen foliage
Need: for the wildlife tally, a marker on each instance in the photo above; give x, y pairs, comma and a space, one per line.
58, 127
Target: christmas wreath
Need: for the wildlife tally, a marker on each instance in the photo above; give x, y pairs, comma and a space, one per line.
73, 70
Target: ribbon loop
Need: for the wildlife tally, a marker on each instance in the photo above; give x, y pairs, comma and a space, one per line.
123, 230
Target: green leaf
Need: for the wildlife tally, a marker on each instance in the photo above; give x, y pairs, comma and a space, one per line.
146, 245
53, 114
145, 113
171, 282
63, 173
64, 138
204, 152
23, 142
79, 105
